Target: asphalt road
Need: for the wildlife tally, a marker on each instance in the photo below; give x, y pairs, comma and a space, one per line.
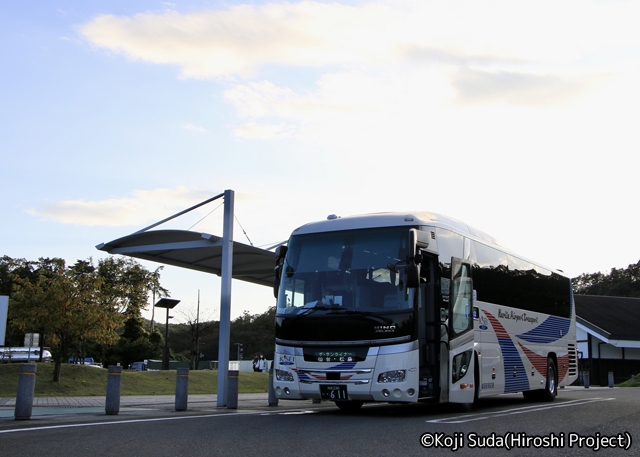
580, 422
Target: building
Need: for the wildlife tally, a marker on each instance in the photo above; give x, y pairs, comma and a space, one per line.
608, 334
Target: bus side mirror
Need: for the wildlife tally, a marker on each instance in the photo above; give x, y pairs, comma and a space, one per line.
281, 252
413, 261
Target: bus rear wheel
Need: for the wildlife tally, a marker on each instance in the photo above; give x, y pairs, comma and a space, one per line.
550, 391
350, 405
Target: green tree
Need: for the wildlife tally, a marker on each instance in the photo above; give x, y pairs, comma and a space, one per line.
66, 305
127, 286
619, 282
255, 332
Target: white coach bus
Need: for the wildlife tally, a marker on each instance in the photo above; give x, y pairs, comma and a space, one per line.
23, 354
416, 307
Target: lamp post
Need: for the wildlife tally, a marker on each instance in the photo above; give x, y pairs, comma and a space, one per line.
168, 303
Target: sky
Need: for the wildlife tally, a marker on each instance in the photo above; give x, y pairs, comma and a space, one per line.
518, 118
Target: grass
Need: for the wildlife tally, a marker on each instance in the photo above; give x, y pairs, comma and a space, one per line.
80, 380
628, 382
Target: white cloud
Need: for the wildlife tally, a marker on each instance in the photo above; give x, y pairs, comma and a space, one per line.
143, 206
523, 89
194, 128
239, 40
387, 65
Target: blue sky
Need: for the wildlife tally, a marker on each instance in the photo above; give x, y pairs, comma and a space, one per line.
517, 118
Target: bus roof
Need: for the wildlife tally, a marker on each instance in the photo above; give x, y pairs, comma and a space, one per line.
376, 220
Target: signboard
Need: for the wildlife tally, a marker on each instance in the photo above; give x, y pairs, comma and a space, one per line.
31, 339
4, 308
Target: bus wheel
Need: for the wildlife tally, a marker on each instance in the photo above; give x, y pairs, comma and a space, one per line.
351, 405
551, 389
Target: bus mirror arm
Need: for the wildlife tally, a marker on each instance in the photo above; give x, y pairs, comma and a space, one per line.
413, 273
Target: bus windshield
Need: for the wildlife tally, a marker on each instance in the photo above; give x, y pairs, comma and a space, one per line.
358, 270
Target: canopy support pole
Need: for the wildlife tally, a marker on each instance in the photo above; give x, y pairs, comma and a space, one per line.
225, 298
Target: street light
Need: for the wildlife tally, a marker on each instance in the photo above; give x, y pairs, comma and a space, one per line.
168, 303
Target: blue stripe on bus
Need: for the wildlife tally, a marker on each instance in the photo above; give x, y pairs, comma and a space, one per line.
552, 329
512, 364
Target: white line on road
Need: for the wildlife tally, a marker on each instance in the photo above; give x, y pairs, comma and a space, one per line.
156, 419
508, 412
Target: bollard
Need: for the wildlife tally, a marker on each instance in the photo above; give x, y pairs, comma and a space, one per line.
611, 379
273, 399
633, 380
182, 389
585, 376
114, 378
26, 387
232, 389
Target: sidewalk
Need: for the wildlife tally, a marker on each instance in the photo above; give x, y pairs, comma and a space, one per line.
45, 406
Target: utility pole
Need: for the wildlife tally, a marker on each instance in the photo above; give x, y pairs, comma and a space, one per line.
197, 358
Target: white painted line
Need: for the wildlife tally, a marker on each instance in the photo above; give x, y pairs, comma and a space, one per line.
509, 412
156, 419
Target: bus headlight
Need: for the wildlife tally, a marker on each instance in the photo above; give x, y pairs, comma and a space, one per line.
392, 376
282, 375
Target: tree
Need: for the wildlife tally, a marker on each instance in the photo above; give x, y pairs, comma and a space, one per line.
623, 282
66, 304
156, 290
127, 285
255, 332
196, 329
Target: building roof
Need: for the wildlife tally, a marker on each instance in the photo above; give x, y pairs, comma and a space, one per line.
613, 318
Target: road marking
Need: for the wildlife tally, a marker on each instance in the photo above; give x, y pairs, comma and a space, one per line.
156, 419
286, 413
509, 412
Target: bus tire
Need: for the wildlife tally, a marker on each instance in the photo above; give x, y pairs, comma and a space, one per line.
551, 389
350, 405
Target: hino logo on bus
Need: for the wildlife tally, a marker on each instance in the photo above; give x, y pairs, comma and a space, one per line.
384, 328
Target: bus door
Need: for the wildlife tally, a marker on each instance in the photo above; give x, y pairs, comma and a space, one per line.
460, 328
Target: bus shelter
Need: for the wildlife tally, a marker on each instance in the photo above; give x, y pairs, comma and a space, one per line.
207, 253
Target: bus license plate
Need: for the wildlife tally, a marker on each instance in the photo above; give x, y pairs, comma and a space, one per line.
333, 392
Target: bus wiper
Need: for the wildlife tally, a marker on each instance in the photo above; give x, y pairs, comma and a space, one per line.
310, 310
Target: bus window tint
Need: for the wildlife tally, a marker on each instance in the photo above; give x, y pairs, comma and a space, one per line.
507, 280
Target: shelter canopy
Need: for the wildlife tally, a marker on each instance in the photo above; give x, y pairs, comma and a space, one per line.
196, 251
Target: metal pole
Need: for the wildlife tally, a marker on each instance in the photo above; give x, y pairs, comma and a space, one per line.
165, 354
26, 387
225, 298
182, 389
197, 358
232, 390
114, 380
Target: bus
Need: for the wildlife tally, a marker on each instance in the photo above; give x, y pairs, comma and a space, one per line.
418, 307
23, 354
